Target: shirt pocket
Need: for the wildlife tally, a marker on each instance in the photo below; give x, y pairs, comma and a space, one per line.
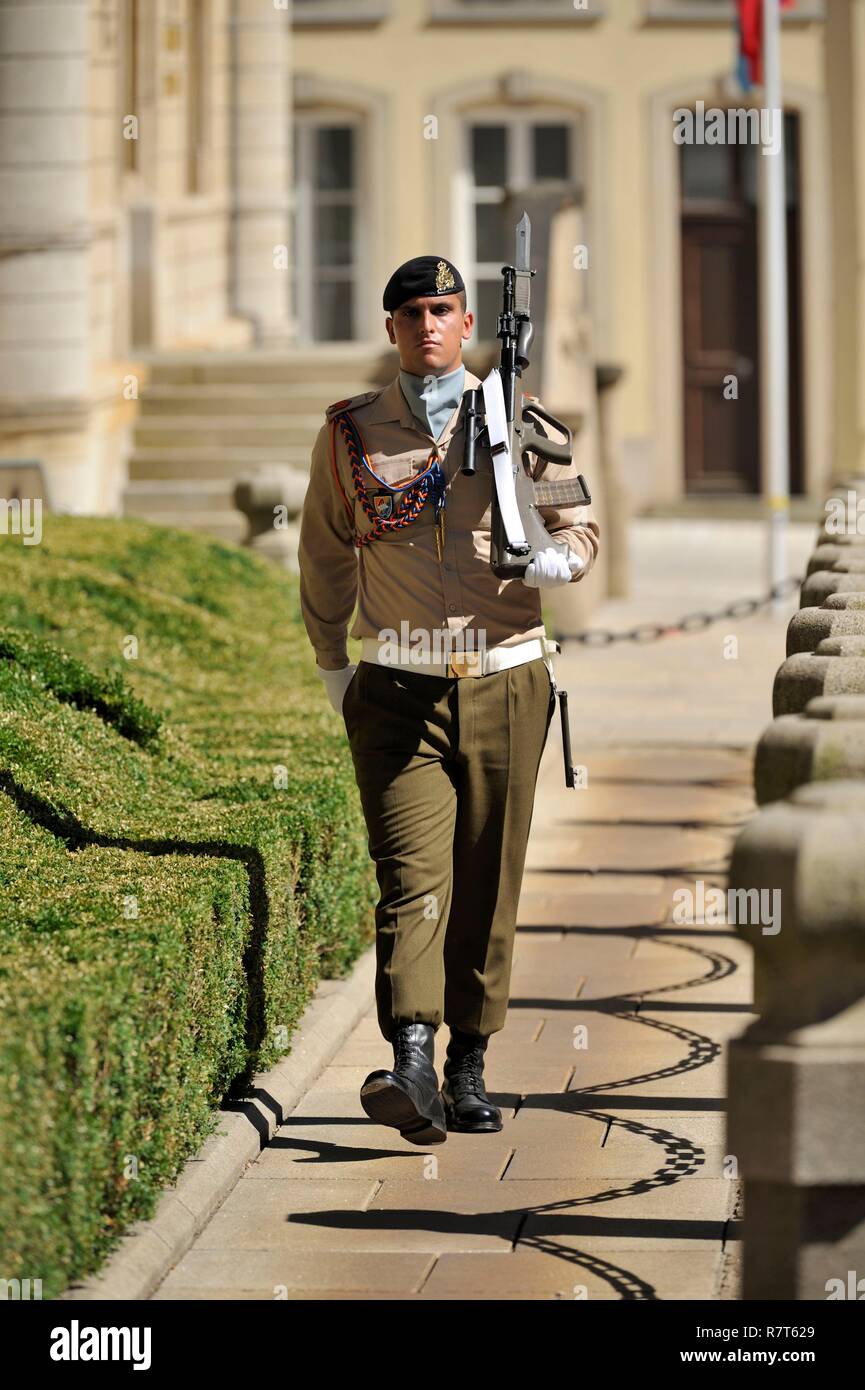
395, 469
388, 486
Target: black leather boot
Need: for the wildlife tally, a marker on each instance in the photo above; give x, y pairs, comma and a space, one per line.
468, 1108
408, 1097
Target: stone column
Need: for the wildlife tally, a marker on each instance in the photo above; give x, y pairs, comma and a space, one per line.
568, 388
844, 59
45, 232
618, 507
261, 167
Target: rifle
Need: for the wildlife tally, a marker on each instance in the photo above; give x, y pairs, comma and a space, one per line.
509, 421
517, 532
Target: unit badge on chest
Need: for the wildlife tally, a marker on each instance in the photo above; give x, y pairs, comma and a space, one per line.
383, 503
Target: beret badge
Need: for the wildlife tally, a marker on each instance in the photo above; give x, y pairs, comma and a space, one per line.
444, 277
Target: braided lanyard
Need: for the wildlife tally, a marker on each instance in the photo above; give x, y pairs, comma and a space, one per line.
430, 482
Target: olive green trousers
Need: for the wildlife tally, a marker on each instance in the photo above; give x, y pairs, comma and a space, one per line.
446, 768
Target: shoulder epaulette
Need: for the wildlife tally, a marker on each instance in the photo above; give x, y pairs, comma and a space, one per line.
352, 402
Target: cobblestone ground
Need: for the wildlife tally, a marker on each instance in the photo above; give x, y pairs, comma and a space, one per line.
611, 1178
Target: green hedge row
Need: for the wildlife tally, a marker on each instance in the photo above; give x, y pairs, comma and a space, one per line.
182, 858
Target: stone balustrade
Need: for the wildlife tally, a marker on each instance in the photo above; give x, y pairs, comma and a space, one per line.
796, 1076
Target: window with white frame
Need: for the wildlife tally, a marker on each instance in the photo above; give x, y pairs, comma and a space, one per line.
308, 12
326, 226
507, 156
500, 11
724, 11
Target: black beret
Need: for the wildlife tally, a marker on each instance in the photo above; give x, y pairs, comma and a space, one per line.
425, 275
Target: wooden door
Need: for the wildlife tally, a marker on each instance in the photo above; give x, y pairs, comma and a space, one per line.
720, 307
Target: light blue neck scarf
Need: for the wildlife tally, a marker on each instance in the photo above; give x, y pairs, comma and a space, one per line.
433, 399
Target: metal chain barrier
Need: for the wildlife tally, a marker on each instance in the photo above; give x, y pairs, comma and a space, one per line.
692, 622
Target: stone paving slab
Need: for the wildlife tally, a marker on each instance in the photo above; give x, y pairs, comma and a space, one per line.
644, 974
548, 1044
658, 1052
538, 951
596, 900
724, 1025
423, 1297
638, 765
593, 1078
548, 984
611, 1031
644, 1134
658, 803
536, 943
259, 1272
374, 1295
289, 1215
557, 1160
513, 1078
552, 1200
647, 1274
300, 1152
683, 947
329, 1108
631, 850
667, 1216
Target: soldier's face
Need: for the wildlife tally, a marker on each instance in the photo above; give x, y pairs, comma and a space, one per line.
429, 333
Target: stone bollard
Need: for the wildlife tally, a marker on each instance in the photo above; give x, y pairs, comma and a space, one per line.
796, 1118
819, 585
835, 667
841, 615
851, 561
843, 557
825, 743
839, 551
271, 497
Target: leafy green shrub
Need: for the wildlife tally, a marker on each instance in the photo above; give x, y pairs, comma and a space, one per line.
182, 858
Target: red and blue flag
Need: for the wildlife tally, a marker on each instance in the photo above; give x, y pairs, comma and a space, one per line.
749, 21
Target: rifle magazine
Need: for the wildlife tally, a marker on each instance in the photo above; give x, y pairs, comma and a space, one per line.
564, 491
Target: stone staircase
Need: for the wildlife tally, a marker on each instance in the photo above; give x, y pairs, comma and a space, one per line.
207, 417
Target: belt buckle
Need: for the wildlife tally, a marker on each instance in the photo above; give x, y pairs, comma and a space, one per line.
471, 665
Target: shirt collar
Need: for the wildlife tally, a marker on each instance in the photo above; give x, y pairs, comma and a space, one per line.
432, 395
392, 405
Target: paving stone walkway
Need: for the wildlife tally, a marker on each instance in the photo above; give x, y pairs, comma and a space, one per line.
611, 1177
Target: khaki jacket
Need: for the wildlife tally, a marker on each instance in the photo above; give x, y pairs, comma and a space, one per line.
398, 577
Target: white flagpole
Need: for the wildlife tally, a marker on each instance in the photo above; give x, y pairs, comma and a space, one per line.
774, 351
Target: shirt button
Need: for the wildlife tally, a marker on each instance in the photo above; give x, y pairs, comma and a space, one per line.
452, 607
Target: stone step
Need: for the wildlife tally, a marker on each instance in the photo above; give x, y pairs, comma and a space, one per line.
248, 398
310, 364
172, 495
225, 525
208, 461
229, 430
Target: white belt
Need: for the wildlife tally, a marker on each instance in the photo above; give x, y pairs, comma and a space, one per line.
480, 663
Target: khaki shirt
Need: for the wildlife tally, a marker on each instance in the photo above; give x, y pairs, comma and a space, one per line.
398, 577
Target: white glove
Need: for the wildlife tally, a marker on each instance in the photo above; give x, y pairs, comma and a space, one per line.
549, 568
336, 683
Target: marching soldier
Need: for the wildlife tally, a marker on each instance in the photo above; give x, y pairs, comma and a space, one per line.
446, 749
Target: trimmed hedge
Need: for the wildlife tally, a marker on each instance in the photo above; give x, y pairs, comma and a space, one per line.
182, 857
